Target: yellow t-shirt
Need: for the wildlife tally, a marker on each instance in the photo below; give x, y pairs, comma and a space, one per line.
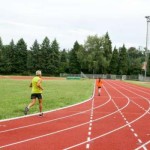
35, 88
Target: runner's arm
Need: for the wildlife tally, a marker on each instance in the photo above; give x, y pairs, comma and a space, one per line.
39, 84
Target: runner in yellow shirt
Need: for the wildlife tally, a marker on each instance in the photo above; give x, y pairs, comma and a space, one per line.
36, 92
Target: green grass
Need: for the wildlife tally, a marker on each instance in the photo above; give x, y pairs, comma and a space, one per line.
15, 95
140, 83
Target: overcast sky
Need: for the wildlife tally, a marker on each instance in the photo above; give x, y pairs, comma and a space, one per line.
71, 20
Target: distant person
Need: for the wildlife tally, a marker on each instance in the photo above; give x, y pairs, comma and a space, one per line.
99, 85
36, 92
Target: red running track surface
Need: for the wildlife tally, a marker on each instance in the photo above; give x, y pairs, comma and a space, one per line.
119, 119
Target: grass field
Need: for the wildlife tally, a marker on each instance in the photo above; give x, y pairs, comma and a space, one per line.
15, 95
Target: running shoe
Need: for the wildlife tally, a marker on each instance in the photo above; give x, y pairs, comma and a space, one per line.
41, 114
26, 110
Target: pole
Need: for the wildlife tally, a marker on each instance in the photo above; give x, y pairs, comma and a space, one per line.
146, 48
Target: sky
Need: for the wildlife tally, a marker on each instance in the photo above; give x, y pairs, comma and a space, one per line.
68, 21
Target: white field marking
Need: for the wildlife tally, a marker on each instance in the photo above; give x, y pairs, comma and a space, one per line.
87, 146
44, 135
90, 128
53, 119
76, 127
143, 146
138, 88
132, 130
107, 133
126, 121
131, 87
44, 122
54, 109
64, 129
140, 106
90, 124
139, 141
129, 126
137, 95
135, 135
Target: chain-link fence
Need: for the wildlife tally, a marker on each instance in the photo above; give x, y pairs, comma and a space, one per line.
106, 76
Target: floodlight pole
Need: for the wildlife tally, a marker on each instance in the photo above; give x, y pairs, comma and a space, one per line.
146, 48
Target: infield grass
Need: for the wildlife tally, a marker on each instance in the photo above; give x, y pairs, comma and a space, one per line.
15, 95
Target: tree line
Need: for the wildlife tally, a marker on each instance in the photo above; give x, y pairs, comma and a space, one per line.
95, 56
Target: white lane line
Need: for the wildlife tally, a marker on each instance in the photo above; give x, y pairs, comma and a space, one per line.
127, 122
135, 135
22, 117
89, 133
132, 130
90, 125
87, 146
88, 139
139, 141
129, 126
135, 120
79, 126
22, 127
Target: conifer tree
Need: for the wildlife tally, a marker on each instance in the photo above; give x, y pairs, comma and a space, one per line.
21, 57
123, 61
54, 60
113, 67
74, 66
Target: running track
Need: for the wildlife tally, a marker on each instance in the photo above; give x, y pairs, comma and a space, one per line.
119, 119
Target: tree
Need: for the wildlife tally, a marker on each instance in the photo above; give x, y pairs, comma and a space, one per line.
135, 59
148, 65
113, 67
74, 66
1, 55
54, 60
20, 57
123, 61
107, 47
64, 66
97, 62
34, 57
44, 56
8, 58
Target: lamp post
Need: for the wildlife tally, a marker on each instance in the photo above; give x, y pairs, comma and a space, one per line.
146, 48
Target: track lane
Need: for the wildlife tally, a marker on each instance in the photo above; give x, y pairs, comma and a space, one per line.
55, 120
121, 128
101, 115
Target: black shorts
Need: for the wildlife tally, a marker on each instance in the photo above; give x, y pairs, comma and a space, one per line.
36, 95
99, 87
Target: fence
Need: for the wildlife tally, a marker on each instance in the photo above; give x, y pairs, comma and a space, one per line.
107, 76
